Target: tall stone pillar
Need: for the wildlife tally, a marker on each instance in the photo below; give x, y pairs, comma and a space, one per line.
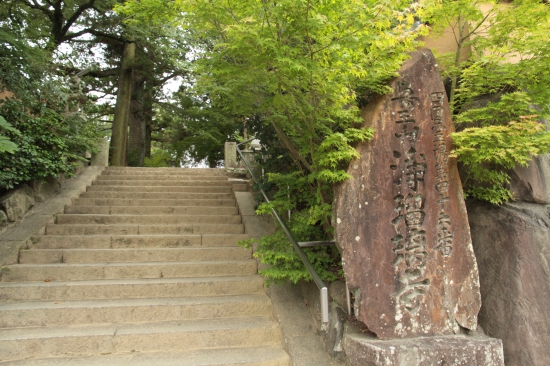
402, 228
230, 155
101, 158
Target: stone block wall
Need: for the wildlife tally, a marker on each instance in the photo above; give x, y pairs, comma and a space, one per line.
16, 203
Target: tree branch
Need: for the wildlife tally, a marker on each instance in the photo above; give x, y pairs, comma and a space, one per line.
106, 35
69, 22
291, 149
70, 36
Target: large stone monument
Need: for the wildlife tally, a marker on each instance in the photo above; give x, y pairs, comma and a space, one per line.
402, 227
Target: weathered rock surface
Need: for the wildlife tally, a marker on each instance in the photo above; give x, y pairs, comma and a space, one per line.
401, 222
512, 245
532, 183
335, 332
3, 218
453, 350
42, 190
338, 293
17, 202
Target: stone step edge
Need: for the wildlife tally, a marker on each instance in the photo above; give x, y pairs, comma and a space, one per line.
19, 273
142, 229
141, 225
32, 314
131, 288
133, 328
126, 264
132, 281
218, 172
117, 241
132, 255
148, 336
213, 216
144, 202
233, 356
104, 303
83, 207
174, 177
160, 183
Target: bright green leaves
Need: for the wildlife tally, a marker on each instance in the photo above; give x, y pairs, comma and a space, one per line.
489, 152
505, 77
336, 148
297, 68
44, 142
496, 112
284, 263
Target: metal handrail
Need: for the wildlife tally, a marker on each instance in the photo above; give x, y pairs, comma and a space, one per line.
244, 142
307, 244
316, 278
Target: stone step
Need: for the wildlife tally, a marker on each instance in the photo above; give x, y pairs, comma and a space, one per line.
151, 210
183, 189
135, 241
16, 343
175, 171
142, 269
107, 271
84, 219
45, 256
121, 229
161, 183
234, 356
131, 288
158, 195
55, 313
160, 177
153, 202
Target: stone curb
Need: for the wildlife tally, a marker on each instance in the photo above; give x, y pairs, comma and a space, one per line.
16, 237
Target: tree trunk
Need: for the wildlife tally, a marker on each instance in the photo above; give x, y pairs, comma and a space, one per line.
119, 138
136, 140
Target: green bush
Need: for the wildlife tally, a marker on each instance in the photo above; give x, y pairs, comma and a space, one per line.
48, 144
159, 159
285, 264
488, 153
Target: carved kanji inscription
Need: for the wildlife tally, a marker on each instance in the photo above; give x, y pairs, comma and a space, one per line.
400, 221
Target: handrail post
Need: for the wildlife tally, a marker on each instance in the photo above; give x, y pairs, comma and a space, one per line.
316, 278
324, 305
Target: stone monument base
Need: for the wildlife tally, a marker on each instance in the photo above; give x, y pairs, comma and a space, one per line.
470, 350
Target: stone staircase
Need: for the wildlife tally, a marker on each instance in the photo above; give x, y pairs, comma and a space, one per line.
143, 269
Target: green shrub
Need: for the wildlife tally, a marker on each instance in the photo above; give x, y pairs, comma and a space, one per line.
47, 145
160, 158
489, 152
284, 264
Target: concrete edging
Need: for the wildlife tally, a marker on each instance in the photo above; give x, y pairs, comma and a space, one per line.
15, 237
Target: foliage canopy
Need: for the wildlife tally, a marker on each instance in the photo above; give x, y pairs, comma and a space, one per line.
500, 90
295, 68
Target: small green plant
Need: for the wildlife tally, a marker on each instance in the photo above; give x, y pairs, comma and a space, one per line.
159, 159
285, 264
